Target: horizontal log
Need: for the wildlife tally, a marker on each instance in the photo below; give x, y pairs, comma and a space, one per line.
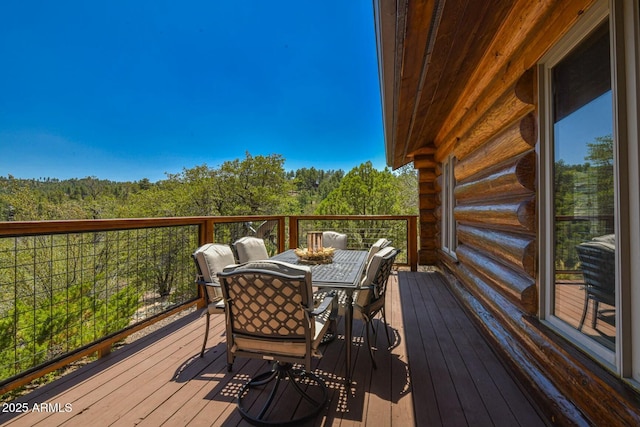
428, 202
427, 175
426, 188
515, 249
429, 244
525, 87
424, 161
512, 52
428, 218
427, 256
508, 109
428, 232
426, 150
516, 139
518, 287
519, 214
514, 178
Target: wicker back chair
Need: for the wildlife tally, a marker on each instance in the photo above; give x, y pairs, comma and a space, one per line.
210, 259
270, 315
370, 298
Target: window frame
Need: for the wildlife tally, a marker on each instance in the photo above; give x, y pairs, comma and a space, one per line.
624, 22
449, 238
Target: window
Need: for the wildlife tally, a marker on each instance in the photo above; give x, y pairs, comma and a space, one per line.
448, 229
588, 190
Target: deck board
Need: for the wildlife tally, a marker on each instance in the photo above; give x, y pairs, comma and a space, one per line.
438, 371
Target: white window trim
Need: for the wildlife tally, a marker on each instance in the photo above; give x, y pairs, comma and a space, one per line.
624, 21
591, 20
626, 36
448, 220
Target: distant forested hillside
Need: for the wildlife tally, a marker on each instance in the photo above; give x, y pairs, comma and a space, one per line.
255, 185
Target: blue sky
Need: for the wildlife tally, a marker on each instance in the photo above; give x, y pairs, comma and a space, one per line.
581, 127
131, 89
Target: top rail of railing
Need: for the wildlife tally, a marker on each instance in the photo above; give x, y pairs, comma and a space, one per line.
207, 226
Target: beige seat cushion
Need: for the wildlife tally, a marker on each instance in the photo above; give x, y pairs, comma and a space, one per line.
281, 347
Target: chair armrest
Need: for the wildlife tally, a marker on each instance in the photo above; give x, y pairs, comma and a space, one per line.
204, 283
204, 286
219, 305
324, 305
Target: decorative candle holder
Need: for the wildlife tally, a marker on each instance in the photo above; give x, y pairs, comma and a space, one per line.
315, 252
314, 241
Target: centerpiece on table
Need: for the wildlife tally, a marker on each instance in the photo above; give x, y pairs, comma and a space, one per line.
315, 253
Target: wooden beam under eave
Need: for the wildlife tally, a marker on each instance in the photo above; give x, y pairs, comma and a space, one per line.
412, 55
465, 32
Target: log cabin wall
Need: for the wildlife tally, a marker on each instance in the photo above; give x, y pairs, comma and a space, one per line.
495, 272
495, 197
459, 79
429, 196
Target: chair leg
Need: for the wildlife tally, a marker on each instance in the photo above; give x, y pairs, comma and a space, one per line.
206, 334
596, 305
258, 414
584, 311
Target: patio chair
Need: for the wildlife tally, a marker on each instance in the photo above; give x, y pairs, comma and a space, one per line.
270, 315
597, 262
379, 244
210, 259
332, 239
250, 249
369, 299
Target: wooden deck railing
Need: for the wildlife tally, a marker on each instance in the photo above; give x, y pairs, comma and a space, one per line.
72, 288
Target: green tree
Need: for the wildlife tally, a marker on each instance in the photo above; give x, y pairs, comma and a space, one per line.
312, 185
254, 186
601, 154
407, 190
363, 191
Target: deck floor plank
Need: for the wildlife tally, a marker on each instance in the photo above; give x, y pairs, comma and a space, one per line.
438, 371
402, 413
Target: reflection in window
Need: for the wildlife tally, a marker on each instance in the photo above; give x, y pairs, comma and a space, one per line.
584, 244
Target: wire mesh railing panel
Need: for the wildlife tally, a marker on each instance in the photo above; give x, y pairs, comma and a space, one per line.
60, 292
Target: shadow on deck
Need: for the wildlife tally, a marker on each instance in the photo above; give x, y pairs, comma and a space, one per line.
439, 371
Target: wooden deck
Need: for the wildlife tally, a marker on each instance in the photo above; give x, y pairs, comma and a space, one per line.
570, 305
440, 371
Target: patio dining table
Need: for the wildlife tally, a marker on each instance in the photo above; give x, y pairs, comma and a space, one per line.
344, 273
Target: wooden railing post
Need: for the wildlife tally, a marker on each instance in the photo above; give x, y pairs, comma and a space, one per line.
281, 234
293, 232
412, 243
